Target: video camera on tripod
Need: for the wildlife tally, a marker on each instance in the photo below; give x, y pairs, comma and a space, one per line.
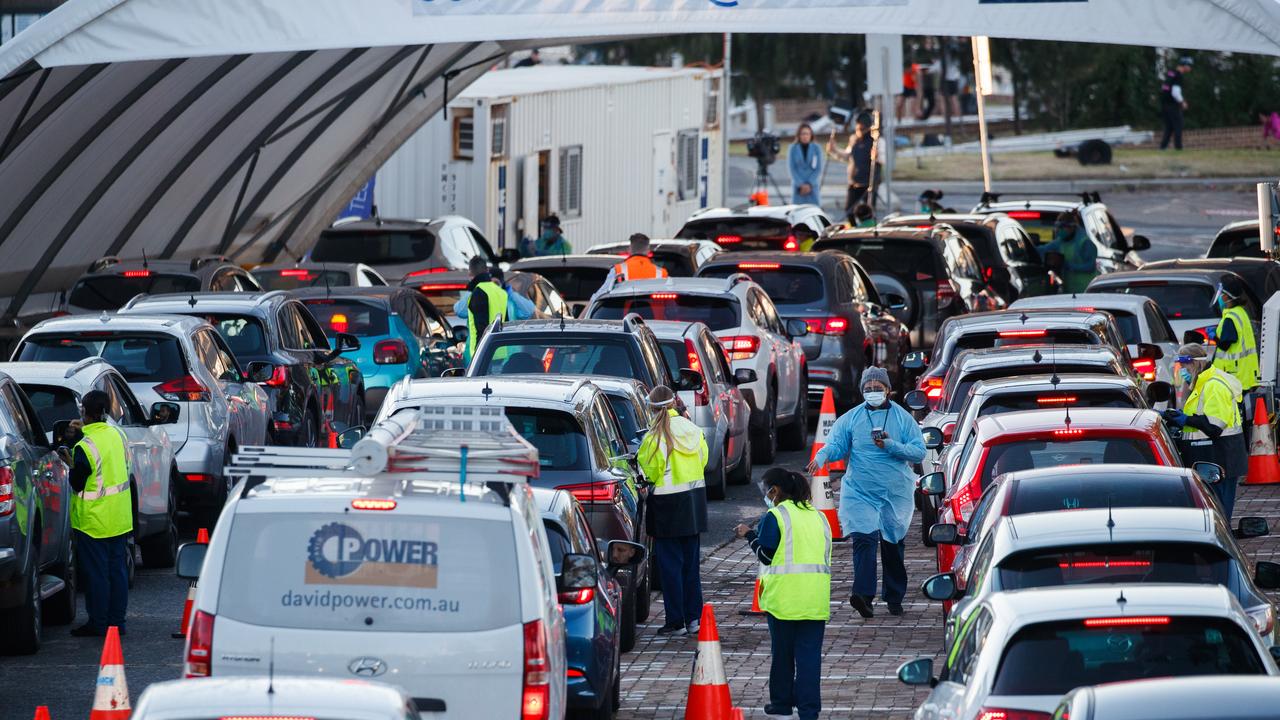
764, 147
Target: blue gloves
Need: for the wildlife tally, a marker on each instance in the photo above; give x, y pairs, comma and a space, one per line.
1174, 417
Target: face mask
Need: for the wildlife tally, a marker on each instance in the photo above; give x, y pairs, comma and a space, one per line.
1185, 374
875, 399
769, 502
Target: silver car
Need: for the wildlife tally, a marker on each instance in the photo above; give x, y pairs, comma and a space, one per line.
1198, 698
169, 358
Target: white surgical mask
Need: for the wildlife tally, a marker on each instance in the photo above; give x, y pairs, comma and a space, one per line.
875, 399
768, 501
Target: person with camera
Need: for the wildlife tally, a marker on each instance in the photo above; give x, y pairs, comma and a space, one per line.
881, 443
860, 154
805, 160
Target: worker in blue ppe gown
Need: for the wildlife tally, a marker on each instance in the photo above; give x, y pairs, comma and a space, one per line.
881, 443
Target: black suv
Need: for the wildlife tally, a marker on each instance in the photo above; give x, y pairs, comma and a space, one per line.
312, 391
849, 325
112, 282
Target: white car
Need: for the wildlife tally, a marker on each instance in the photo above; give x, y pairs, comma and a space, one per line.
278, 697
55, 390
1019, 652
169, 358
372, 564
744, 318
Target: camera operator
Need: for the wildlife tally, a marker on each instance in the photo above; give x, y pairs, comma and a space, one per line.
860, 154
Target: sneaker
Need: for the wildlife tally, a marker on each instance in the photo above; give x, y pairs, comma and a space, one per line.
88, 630
861, 605
671, 628
692, 628
895, 608
777, 710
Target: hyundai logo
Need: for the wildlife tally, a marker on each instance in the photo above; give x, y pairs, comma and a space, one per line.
367, 667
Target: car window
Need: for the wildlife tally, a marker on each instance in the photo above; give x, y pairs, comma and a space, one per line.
551, 353
435, 322
482, 244
312, 334
554, 304
1101, 490
290, 328
558, 543
133, 412
52, 403
653, 358
118, 407
1161, 332
787, 285
412, 316
557, 435
223, 281
1015, 246
609, 433
711, 367
964, 654
771, 319
373, 279
627, 414
214, 359
1035, 454
244, 334
16, 410
456, 246
1160, 562
111, 292
717, 313
980, 514
581, 531
575, 284
716, 352
246, 282
981, 564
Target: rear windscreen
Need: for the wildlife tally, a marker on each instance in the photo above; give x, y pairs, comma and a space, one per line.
111, 292
717, 313
244, 334
1054, 658
1179, 301
442, 294
984, 340
295, 278
1096, 491
740, 233
556, 355
374, 247
1036, 454
52, 403
558, 436
349, 316
138, 357
1181, 563
1243, 242
957, 390
1014, 402
575, 284
786, 285
370, 572
910, 259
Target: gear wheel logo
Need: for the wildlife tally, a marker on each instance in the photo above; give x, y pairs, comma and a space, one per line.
336, 550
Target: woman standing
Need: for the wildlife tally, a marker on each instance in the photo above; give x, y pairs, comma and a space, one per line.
793, 544
805, 162
673, 457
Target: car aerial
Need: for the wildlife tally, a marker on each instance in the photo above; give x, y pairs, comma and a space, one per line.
1184, 698
112, 282
1010, 261
1237, 240
274, 696
1116, 252
397, 247
401, 334
680, 258
1139, 318
443, 288
757, 227
850, 327
314, 392
1184, 295
1138, 541
929, 275
55, 389
581, 449
37, 560
439, 578
575, 277
754, 335
1021, 651
718, 407
170, 358
293, 276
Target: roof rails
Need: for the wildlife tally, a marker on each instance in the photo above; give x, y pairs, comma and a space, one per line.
1086, 197
632, 321
732, 281
82, 364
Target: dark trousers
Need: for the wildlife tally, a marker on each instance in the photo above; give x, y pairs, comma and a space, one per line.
681, 582
1172, 117
795, 671
104, 575
855, 195
1226, 492
893, 555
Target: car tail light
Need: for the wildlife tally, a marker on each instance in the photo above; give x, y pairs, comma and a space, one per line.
1087, 309
279, 377
575, 673
702, 397
339, 323
1056, 400
987, 273
441, 287
391, 352
741, 347
992, 713
962, 503
183, 389
577, 597
1264, 619
826, 326
373, 504
1131, 621
266, 717
728, 239
199, 645
1023, 333
1146, 368
663, 296
946, 292
137, 273
296, 272
759, 266
6, 491
1100, 564
599, 492
932, 387
427, 271
790, 245
948, 431
198, 477
535, 700
1025, 214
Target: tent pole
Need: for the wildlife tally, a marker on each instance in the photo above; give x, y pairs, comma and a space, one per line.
982, 89
726, 104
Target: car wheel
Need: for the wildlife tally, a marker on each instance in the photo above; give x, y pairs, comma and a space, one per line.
644, 595
21, 627
715, 481
793, 437
161, 550
627, 617
309, 436
741, 475
60, 609
764, 441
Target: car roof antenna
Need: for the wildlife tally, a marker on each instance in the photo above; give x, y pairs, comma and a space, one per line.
144, 259
271, 668
1111, 521
486, 391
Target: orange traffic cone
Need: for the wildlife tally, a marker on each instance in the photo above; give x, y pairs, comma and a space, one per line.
708, 689
760, 197
826, 419
42, 712
1264, 467
111, 699
202, 536
755, 602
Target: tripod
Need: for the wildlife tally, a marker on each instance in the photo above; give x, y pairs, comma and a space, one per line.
764, 180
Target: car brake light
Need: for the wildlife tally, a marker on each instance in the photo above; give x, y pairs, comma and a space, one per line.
1086, 309
1025, 215
373, 504
945, 292
338, 321
198, 477
6, 491
199, 645
741, 347
296, 272
427, 271
663, 296
137, 273
932, 387
701, 398
1056, 399
441, 287
1100, 564
535, 699
962, 503
391, 352
948, 431
1022, 333
728, 239
826, 326
266, 717
791, 245
1126, 621
1264, 618
759, 266
578, 597
1145, 367
279, 377
575, 673
599, 492
1068, 432
991, 713
183, 389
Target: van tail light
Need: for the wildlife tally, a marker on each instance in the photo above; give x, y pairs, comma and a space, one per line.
577, 597
183, 389
279, 377
597, 492
790, 245
826, 326
948, 431
702, 397
535, 700
1145, 367
741, 347
946, 292
993, 713
6, 491
199, 645
391, 352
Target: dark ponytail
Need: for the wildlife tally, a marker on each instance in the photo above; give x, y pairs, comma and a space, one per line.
793, 485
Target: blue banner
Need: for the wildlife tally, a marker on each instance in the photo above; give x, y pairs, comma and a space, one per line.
361, 206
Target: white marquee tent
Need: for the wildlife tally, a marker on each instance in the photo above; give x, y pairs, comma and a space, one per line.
188, 127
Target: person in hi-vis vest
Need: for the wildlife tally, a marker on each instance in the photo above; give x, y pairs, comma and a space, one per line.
793, 544
1211, 422
639, 265
1236, 352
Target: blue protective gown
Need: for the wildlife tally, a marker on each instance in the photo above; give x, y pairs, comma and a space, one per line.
877, 491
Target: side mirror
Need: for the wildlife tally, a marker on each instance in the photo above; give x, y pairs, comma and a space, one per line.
917, 360
624, 553
1209, 472
1159, 391
917, 672
509, 255
916, 400
933, 438
744, 376
1252, 527
945, 534
1139, 243
162, 413
941, 587
454, 372
578, 572
348, 438
690, 380
933, 485
1148, 351
259, 371
190, 560
894, 301
1266, 575
346, 342
797, 328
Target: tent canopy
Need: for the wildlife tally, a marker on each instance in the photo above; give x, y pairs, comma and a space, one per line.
181, 127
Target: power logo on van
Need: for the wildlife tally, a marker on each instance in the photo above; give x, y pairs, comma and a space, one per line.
338, 554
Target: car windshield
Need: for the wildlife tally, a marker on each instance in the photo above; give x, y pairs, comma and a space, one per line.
1179, 301
1036, 454
1053, 658
896, 256
138, 357
1012, 402
957, 391
374, 247
558, 436
1180, 563
294, 278
785, 285
344, 315
111, 292
739, 233
550, 353
575, 284
244, 334
717, 313
52, 403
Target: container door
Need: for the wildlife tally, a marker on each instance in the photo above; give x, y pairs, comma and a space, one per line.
664, 184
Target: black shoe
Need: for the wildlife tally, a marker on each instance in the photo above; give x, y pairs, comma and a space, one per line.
670, 628
895, 608
777, 710
88, 630
861, 605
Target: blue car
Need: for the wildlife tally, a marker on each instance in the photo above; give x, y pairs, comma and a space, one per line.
401, 334
591, 615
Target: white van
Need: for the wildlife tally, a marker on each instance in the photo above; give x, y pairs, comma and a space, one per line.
366, 564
